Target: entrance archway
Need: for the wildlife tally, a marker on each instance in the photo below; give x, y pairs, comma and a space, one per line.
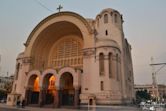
50, 89
90, 101
34, 89
67, 89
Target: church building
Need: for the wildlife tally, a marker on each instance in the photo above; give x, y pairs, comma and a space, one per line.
71, 61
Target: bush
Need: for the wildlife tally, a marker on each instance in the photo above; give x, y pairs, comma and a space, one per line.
3, 94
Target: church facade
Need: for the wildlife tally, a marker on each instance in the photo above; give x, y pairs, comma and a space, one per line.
71, 61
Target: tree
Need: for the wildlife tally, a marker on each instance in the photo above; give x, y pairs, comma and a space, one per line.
3, 94
142, 95
8, 87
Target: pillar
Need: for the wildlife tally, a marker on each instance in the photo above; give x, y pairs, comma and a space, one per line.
28, 94
56, 103
76, 96
114, 73
42, 95
60, 97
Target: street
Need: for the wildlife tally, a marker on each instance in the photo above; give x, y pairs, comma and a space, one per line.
4, 107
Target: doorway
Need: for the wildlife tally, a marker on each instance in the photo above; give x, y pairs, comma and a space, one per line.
67, 89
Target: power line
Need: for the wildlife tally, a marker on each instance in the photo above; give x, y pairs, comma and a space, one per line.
42, 5
158, 64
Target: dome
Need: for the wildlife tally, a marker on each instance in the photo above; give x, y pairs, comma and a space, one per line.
109, 10
20, 55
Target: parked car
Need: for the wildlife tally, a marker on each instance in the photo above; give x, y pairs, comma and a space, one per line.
3, 101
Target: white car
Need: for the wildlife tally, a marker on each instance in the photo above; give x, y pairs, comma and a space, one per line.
151, 108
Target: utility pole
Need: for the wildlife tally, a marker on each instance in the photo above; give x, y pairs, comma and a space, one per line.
154, 73
154, 81
7, 74
0, 65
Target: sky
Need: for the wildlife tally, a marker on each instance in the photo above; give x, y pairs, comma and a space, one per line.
144, 27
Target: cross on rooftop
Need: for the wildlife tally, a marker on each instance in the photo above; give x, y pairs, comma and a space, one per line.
59, 8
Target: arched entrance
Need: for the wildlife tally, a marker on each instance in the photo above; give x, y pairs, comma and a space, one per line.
34, 89
50, 89
67, 89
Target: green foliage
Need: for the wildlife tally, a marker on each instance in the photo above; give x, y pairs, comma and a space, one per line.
142, 95
3, 94
8, 87
164, 96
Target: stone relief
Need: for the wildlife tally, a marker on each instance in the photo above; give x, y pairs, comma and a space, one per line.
88, 52
27, 60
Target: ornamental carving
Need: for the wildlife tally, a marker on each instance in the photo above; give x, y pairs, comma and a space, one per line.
115, 93
27, 60
88, 52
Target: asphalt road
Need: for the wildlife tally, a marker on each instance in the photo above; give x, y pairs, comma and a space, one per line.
12, 109
61, 109
4, 107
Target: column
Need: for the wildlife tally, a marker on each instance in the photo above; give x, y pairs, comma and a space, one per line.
76, 96
114, 73
56, 103
42, 95
60, 97
27, 93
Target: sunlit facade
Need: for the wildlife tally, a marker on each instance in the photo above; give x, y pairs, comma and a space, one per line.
36, 86
71, 61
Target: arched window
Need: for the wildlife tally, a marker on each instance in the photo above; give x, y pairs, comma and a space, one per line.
101, 63
105, 18
98, 22
110, 64
106, 32
115, 18
67, 52
17, 70
102, 85
117, 67
15, 87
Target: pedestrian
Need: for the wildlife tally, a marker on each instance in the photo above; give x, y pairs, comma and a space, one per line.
18, 103
23, 103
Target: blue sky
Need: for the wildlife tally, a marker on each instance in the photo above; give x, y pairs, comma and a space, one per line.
144, 27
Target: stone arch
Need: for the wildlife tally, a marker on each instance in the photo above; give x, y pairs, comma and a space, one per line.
66, 76
30, 74
50, 71
106, 18
48, 84
33, 87
69, 17
67, 88
72, 72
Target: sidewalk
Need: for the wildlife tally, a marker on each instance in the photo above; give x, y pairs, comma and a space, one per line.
49, 109
4, 107
27, 108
